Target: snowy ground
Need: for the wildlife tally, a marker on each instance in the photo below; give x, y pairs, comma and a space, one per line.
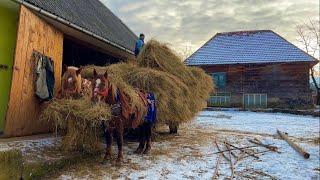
262, 123
192, 154
35, 148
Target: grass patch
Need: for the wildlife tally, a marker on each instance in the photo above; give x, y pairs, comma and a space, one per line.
13, 166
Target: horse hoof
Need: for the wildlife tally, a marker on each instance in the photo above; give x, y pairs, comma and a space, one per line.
119, 163
147, 151
104, 162
138, 151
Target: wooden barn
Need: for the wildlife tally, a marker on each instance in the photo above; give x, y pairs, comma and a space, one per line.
256, 69
71, 32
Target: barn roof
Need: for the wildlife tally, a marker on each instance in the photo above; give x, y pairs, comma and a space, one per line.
260, 46
91, 15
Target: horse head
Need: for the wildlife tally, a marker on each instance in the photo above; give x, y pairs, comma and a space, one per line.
71, 81
102, 88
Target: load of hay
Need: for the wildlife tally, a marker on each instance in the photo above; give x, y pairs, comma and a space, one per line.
180, 92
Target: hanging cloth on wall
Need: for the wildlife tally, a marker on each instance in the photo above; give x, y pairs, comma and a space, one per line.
44, 86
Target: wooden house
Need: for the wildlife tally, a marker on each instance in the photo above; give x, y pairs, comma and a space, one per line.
72, 32
255, 69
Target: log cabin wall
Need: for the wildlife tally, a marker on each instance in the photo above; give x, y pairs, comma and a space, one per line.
24, 108
285, 84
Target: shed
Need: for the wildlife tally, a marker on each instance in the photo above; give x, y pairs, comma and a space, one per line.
71, 32
255, 69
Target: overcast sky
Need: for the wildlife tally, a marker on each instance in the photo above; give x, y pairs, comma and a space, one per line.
190, 23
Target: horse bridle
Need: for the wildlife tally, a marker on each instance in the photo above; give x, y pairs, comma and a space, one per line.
103, 93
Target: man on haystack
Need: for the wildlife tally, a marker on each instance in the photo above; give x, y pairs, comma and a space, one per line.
139, 45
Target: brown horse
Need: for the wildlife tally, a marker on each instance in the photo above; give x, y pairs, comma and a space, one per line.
127, 117
73, 85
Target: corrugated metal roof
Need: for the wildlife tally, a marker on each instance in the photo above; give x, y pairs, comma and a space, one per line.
261, 46
91, 15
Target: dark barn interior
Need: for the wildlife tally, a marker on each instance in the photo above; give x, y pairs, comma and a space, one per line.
76, 53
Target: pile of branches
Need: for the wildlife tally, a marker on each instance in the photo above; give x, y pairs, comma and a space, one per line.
233, 155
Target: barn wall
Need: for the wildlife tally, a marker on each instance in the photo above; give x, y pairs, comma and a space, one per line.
24, 108
285, 84
9, 13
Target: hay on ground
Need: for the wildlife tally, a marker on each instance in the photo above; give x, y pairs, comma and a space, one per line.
79, 120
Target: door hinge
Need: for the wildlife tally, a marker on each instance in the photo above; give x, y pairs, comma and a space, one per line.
3, 67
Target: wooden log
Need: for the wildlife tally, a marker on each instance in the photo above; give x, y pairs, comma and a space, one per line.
293, 145
272, 148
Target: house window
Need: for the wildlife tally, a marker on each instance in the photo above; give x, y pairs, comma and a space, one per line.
219, 100
219, 79
255, 101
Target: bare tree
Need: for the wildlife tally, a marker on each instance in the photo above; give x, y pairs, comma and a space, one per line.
186, 52
309, 37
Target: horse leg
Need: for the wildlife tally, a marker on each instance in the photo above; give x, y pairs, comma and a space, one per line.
108, 139
148, 134
142, 140
119, 136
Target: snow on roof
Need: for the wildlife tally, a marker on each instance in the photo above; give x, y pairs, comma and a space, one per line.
259, 46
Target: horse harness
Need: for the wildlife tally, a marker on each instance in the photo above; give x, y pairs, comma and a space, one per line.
116, 109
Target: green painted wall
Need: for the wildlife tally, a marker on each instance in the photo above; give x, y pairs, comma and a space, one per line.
8, 29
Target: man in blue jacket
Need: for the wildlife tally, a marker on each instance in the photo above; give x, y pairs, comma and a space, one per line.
139, 45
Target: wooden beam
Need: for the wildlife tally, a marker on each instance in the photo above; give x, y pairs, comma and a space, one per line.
293, 145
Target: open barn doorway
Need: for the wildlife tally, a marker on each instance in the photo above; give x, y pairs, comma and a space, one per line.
77, 53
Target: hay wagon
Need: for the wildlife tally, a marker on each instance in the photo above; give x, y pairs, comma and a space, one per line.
59, 30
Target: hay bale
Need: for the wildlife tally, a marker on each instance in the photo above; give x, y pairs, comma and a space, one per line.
79, 120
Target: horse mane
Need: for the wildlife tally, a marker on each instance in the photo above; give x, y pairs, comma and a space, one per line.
127, 108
